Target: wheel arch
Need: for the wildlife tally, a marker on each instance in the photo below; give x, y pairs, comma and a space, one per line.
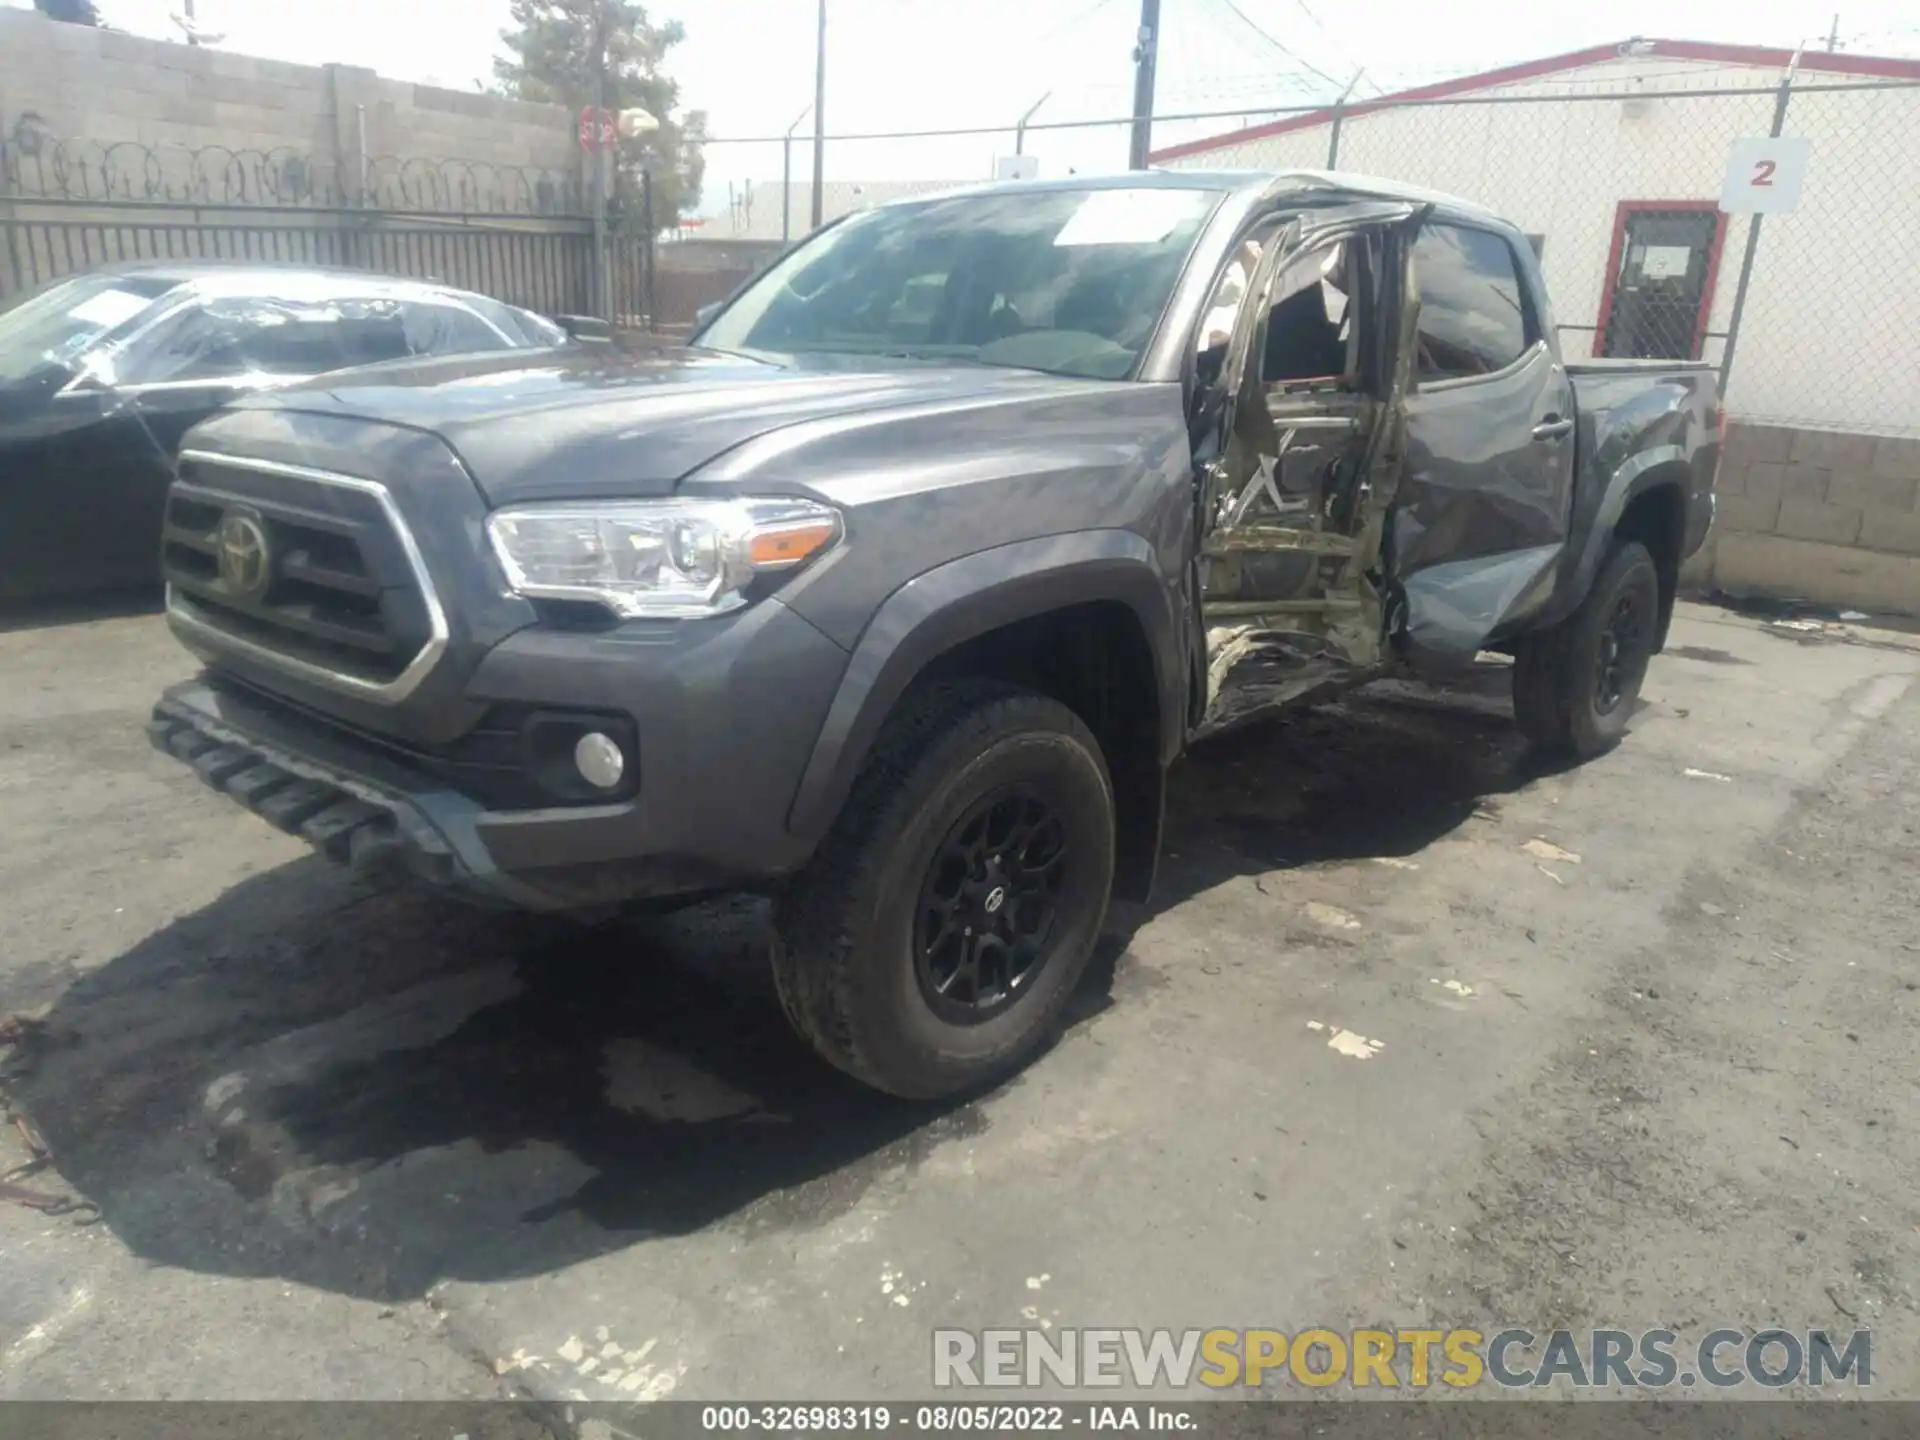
1646, 501
1086, 618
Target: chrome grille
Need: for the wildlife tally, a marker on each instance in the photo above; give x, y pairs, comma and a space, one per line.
341, 595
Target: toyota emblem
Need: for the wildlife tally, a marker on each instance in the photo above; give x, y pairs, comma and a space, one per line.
246, 567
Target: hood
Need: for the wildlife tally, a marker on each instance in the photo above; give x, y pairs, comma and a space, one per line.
586, 422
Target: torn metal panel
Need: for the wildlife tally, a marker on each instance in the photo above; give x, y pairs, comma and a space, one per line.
1253, 668
1293, 509
1487, 492
1297, 517
1452, 608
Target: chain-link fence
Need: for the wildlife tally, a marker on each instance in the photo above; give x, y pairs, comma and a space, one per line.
1618, 185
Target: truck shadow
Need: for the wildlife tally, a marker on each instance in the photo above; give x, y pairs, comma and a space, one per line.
371, 1092
1382, 773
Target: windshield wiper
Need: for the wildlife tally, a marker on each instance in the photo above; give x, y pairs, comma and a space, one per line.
942, 356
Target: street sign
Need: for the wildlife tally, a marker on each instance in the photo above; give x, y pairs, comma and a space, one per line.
600, 137
1764, 175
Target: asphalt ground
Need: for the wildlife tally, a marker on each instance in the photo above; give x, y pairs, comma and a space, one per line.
1417, 1032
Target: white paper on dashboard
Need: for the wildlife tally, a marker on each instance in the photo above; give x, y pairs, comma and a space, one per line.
1128, 217
109, 308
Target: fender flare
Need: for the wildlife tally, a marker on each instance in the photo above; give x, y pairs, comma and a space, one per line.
967, 598
1627, 484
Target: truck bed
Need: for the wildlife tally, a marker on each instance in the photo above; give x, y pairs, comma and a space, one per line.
1632, 367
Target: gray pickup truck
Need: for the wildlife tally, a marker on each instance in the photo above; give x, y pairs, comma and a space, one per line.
898, 591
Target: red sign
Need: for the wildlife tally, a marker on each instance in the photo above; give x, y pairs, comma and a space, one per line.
605, 137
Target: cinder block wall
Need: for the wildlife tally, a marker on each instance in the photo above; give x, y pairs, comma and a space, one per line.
1818, 515
105, 87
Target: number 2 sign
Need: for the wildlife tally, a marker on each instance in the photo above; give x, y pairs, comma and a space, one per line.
1763, 176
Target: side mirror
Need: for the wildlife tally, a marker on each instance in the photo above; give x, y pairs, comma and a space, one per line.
705, 313
588, 328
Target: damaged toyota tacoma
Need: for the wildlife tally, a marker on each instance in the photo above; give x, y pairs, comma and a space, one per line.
896, 593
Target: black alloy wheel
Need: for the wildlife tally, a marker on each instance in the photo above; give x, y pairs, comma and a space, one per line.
987, 906
1577, 684
932, 944
1621, 660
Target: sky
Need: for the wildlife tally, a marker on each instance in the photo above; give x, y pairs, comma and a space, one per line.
930, 64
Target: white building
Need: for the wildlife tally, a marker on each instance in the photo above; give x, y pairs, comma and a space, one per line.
754, 211
1613, 159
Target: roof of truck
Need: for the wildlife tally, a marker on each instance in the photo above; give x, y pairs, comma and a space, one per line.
1333, 182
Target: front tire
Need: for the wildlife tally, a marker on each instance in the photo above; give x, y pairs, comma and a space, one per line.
1575, 686
949, 914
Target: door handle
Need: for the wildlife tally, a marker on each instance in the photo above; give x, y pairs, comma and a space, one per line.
1552, 428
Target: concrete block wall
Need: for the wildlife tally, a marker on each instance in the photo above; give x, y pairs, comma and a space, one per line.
104, 88
1821, 515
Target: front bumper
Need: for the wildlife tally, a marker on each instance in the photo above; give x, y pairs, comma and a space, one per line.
351, 808
725, 716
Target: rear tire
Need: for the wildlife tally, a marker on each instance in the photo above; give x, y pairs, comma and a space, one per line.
984, 809
1575, 686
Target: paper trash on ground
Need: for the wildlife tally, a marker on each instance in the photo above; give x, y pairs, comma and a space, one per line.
1546, 850
1348, 1042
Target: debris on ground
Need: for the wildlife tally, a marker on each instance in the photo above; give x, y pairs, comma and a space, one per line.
36, 1142
1331, 916
1463, 991
1693, 774
20, 1038
49, 1204
1348, 1042
1546, 850
1822, 632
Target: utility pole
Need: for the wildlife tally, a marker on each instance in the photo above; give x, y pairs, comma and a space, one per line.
1144, 54
1833, 35
820, 119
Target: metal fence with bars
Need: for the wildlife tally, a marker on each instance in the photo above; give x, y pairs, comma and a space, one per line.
519, 234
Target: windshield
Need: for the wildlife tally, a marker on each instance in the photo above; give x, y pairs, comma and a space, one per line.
52, 328
1071, 282
520, 326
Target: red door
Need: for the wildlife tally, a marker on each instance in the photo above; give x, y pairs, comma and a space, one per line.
1660, 278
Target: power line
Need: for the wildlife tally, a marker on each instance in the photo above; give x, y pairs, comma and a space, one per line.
1248, 112
1307, 10
1079, 19
1302, 63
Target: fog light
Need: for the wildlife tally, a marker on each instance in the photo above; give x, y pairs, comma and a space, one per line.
598, 759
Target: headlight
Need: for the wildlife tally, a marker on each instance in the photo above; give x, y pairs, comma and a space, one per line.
657, 558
